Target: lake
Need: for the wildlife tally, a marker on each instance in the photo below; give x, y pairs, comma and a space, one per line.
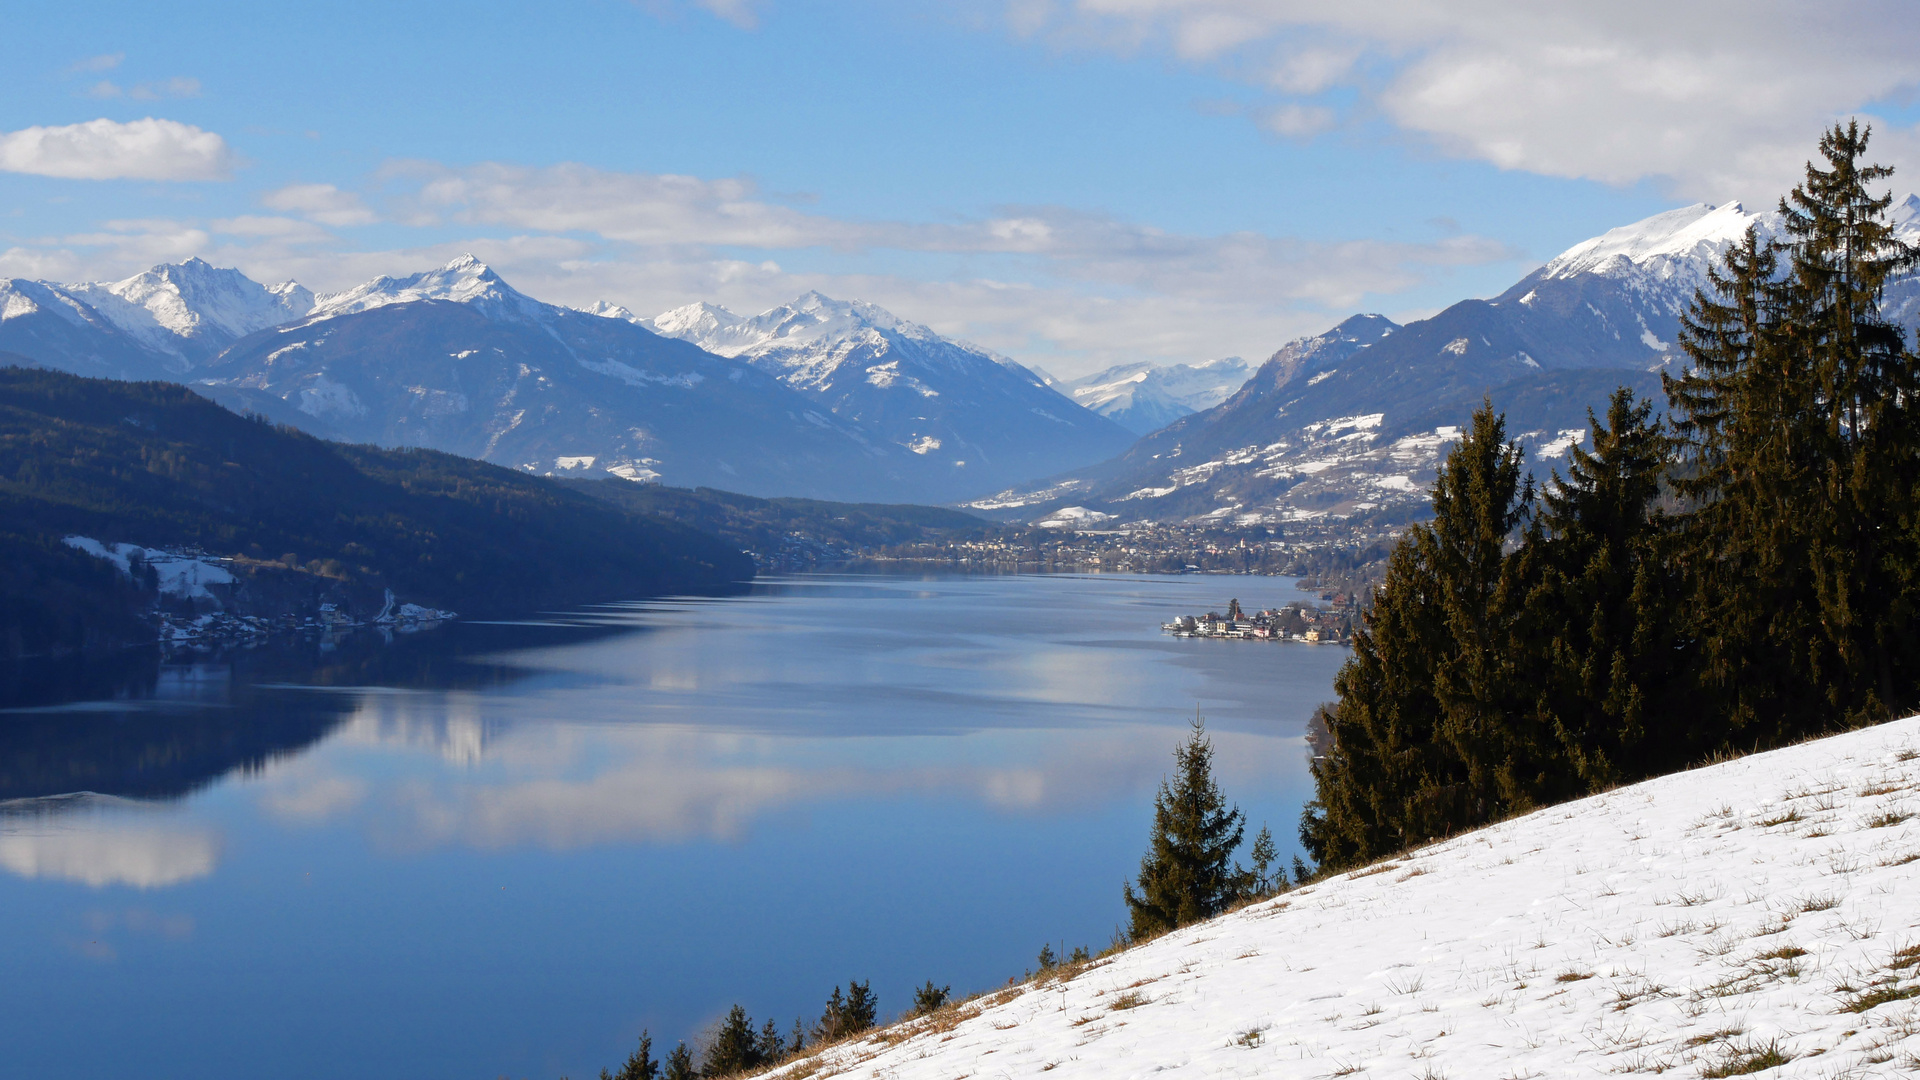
503, 849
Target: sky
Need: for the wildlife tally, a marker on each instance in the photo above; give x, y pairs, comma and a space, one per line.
1074, 183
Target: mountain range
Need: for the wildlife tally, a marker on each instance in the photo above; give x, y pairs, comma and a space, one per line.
817, 398
842, 400
1352, 422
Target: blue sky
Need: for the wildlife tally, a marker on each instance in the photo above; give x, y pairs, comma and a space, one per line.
1075, 184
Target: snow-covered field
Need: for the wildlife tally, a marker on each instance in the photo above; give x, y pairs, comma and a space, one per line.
1694, 924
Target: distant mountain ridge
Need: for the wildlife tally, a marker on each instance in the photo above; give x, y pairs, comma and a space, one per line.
1144, 397
1353, 422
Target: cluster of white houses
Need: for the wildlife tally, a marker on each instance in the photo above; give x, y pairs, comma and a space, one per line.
1296, 622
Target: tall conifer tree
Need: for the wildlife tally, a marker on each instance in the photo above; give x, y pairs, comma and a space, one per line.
1601, 626
1423, 734
1800, 415
1188, 872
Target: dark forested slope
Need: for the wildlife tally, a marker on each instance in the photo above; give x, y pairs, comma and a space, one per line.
156, 465
768, 526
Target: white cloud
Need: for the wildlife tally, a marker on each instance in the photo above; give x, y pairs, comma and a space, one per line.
1297, 121
741, 13
1714, 98
103, 149
289, 230
178, 87
1069, 289
324, 203
683, 218
103, 62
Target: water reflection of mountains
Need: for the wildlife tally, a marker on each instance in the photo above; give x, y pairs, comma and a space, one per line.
134, 726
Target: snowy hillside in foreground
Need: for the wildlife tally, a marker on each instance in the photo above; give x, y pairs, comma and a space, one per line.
1684, 924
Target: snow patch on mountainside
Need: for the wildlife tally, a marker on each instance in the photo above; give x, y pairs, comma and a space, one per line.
1758, 914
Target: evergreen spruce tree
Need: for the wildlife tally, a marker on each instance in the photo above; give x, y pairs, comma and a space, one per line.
1602, 627
1264, 856
833, 1019
1799, 417
847, 1015
930, 998
770, 1046
862, 1007
680, 1064
1426, 736
735, 1047
640, 1064
1188, 872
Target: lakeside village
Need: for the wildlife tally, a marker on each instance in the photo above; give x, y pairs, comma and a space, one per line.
1301, 622
1339, 556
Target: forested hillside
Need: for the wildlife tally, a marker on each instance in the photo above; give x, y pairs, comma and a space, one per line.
770, 526
156, 465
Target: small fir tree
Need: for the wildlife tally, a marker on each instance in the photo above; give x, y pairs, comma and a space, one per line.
930, 998
640, 1064
680, 1064
1263, 856
1188, 872
735, 1046
848, 1015
1048, 961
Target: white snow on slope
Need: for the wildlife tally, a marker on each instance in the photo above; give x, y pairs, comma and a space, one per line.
185, 300
807, 342
1676, 925
465, 280
1694, 237
176, 573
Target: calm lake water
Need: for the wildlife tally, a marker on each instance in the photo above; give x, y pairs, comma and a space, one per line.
503, 849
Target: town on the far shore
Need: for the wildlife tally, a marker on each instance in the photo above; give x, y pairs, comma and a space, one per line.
1298, 621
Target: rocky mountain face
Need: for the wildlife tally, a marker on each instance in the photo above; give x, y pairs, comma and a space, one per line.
971, 417
1144, 398
1352, 423
457, 360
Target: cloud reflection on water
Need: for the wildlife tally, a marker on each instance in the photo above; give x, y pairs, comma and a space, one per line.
104, 845
485, 782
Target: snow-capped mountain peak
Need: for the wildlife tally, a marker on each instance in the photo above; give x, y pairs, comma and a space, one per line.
1698, 232
1143, 397
192, 309
1905, 216
464, 280
709, 326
